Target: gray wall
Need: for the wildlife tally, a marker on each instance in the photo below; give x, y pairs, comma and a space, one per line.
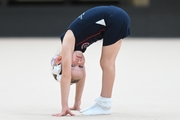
160, 19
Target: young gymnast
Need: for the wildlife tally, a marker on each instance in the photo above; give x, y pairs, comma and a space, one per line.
108, 23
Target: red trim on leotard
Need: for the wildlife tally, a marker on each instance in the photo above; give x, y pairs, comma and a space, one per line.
91, 37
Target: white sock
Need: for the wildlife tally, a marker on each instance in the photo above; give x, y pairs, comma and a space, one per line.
101, 107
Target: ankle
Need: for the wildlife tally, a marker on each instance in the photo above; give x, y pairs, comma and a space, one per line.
104, 103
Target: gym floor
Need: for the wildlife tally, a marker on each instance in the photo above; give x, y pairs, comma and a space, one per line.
146, 86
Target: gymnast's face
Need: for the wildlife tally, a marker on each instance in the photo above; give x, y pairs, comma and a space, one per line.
77, 65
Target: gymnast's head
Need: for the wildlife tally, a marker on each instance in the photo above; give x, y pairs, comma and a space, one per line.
77, 67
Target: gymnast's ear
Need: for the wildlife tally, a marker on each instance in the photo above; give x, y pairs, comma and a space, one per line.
58, 60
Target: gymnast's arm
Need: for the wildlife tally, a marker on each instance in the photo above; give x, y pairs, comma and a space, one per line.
79, 91
67, 51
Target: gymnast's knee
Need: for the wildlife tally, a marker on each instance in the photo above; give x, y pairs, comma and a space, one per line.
107, 64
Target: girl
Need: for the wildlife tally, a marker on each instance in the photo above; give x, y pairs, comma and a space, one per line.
109, 23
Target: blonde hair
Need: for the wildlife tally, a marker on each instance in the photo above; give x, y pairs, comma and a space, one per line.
72, 81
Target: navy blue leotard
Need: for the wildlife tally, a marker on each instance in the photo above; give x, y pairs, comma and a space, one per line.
109, 23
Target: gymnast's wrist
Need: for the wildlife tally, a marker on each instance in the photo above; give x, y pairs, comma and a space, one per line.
77, 103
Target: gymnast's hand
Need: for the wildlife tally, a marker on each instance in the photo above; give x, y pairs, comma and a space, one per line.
64, 112
76, 106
